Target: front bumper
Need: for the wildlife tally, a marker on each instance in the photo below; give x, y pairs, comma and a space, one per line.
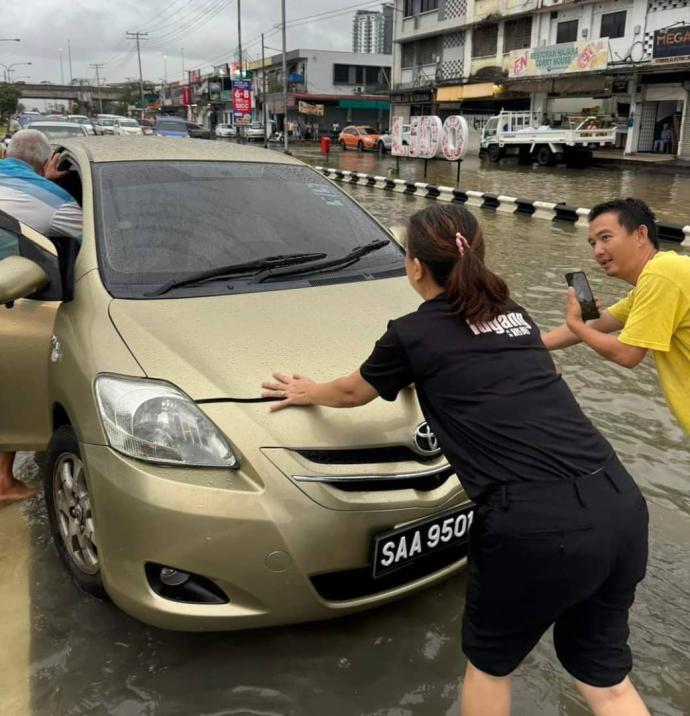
275, 552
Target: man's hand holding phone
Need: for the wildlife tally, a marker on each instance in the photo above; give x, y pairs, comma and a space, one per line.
582, 306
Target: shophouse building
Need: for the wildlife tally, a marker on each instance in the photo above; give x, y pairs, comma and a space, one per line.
624, 61
324, 87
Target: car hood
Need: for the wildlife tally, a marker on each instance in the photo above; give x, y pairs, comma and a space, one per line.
217, 347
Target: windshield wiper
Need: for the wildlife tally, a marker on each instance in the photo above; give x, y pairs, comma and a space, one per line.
340, 263
268, 262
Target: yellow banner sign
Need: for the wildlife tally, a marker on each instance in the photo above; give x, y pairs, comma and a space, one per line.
559, 59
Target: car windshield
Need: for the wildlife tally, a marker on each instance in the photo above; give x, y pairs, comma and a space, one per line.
163, 220
60, 130
367, 130
129, 123
77, 119
106, 122
171, 126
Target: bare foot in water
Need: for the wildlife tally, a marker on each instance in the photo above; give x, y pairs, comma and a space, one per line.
15, 491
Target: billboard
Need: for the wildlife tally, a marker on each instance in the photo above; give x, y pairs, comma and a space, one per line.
430, 137
194, 77
307, 108
559, 59
672, 45
242, 101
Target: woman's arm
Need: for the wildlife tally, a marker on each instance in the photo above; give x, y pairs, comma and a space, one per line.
346, 392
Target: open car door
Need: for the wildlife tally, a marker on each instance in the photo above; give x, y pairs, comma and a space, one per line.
26, 329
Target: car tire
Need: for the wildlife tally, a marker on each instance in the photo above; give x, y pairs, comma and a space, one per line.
543, 155
344, 146
69, 511
360, 147
494, 152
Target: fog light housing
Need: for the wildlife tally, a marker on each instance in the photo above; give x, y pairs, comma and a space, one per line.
180, 586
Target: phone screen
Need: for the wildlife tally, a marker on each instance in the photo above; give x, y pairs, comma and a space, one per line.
578, 280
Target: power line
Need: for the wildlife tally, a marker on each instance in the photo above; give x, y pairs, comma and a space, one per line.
98, 67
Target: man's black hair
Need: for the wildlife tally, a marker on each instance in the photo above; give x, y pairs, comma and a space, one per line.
632, 213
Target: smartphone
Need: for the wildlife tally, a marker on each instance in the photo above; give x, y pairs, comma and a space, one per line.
578, 280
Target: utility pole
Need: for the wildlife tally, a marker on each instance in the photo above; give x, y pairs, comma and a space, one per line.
263, 92
69, 58
98, 67
285, 82
184, 77
138, 36
62, 71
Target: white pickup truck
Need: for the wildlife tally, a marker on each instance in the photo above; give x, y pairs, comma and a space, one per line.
512, 132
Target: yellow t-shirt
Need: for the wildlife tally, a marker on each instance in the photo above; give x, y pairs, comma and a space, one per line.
656, 315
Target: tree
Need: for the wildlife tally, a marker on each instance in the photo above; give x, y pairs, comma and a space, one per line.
9, 98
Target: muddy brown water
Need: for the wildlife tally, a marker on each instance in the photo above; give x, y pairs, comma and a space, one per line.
67, 655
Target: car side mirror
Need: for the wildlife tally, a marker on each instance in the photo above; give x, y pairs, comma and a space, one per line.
400, 235
20, 277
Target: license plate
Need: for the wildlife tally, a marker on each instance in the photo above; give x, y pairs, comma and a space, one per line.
400, 547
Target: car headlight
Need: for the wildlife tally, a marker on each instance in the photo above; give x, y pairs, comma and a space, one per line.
155, 421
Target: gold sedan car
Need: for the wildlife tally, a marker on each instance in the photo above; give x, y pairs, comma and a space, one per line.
135, 363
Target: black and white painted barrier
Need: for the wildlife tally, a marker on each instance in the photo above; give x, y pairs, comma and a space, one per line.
558, 212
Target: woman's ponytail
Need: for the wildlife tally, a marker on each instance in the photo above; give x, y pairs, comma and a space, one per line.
449, 241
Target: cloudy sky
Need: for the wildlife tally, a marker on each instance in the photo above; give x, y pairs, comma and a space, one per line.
206, 29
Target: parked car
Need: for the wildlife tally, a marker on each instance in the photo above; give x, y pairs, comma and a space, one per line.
385, 141
127, 127
197, 131
255, 130
26, 117
168, 484
358, 137
83, 120
223, 131
148, 127
59, 130
171, 127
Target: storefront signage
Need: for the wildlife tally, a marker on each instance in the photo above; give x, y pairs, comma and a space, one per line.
297, 79
214, 91
307, 108
194, 77
413, 98
429, 136
559, 59
241, 101
672, 45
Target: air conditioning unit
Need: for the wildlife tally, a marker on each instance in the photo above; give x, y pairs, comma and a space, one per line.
359, 89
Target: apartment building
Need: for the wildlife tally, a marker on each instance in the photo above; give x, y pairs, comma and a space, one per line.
627, 61
372, 31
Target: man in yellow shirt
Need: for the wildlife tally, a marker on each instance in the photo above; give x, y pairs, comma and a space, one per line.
654, 316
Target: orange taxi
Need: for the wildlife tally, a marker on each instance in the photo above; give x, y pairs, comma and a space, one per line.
359, 137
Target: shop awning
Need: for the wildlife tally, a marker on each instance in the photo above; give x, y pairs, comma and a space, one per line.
470, 91
573, 85
363, 104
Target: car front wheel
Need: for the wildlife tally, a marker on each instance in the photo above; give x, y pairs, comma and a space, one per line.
344, 146
360, 146
69, 511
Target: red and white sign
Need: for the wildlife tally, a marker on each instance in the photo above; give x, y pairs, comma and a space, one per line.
429, 137
242, 96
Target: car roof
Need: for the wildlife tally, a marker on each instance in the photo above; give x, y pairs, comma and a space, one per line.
139, 148
50, 123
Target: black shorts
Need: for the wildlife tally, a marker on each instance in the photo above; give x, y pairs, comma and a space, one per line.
567, 553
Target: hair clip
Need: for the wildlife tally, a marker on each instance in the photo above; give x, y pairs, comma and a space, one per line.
462, 243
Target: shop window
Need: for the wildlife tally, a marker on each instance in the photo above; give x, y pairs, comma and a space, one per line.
371, 75
428, 51
428, 5
613, 24
517, 34
408, 8
408, 54
566, 32
484, 41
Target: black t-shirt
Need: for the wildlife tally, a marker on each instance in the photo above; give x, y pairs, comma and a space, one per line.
491, 394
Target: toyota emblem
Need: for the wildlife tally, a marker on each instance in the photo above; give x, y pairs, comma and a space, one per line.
424, 440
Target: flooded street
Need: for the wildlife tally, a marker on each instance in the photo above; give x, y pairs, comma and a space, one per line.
66, 655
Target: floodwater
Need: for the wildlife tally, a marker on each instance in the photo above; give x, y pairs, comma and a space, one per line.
67, 655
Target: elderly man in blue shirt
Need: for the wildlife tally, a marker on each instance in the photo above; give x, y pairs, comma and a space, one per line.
29, 194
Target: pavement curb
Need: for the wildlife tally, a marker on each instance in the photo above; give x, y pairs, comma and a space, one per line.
550, 211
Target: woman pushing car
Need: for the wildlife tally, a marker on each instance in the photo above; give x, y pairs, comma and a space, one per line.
560, 529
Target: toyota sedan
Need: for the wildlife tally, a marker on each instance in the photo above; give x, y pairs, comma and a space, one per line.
135, 362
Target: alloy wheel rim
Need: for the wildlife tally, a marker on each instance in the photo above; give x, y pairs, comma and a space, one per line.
73, 513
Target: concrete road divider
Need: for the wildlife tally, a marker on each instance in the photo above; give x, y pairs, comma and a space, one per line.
551, 211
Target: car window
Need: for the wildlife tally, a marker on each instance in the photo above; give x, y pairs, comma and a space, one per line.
167, 219
367, 130
171, 126
106, 122
128, 123
9, 244
63, 130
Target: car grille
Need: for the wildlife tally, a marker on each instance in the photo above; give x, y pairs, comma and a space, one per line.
357, 583
361, 456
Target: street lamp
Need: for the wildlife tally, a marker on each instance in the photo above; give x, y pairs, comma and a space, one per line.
62, 71
8, 69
